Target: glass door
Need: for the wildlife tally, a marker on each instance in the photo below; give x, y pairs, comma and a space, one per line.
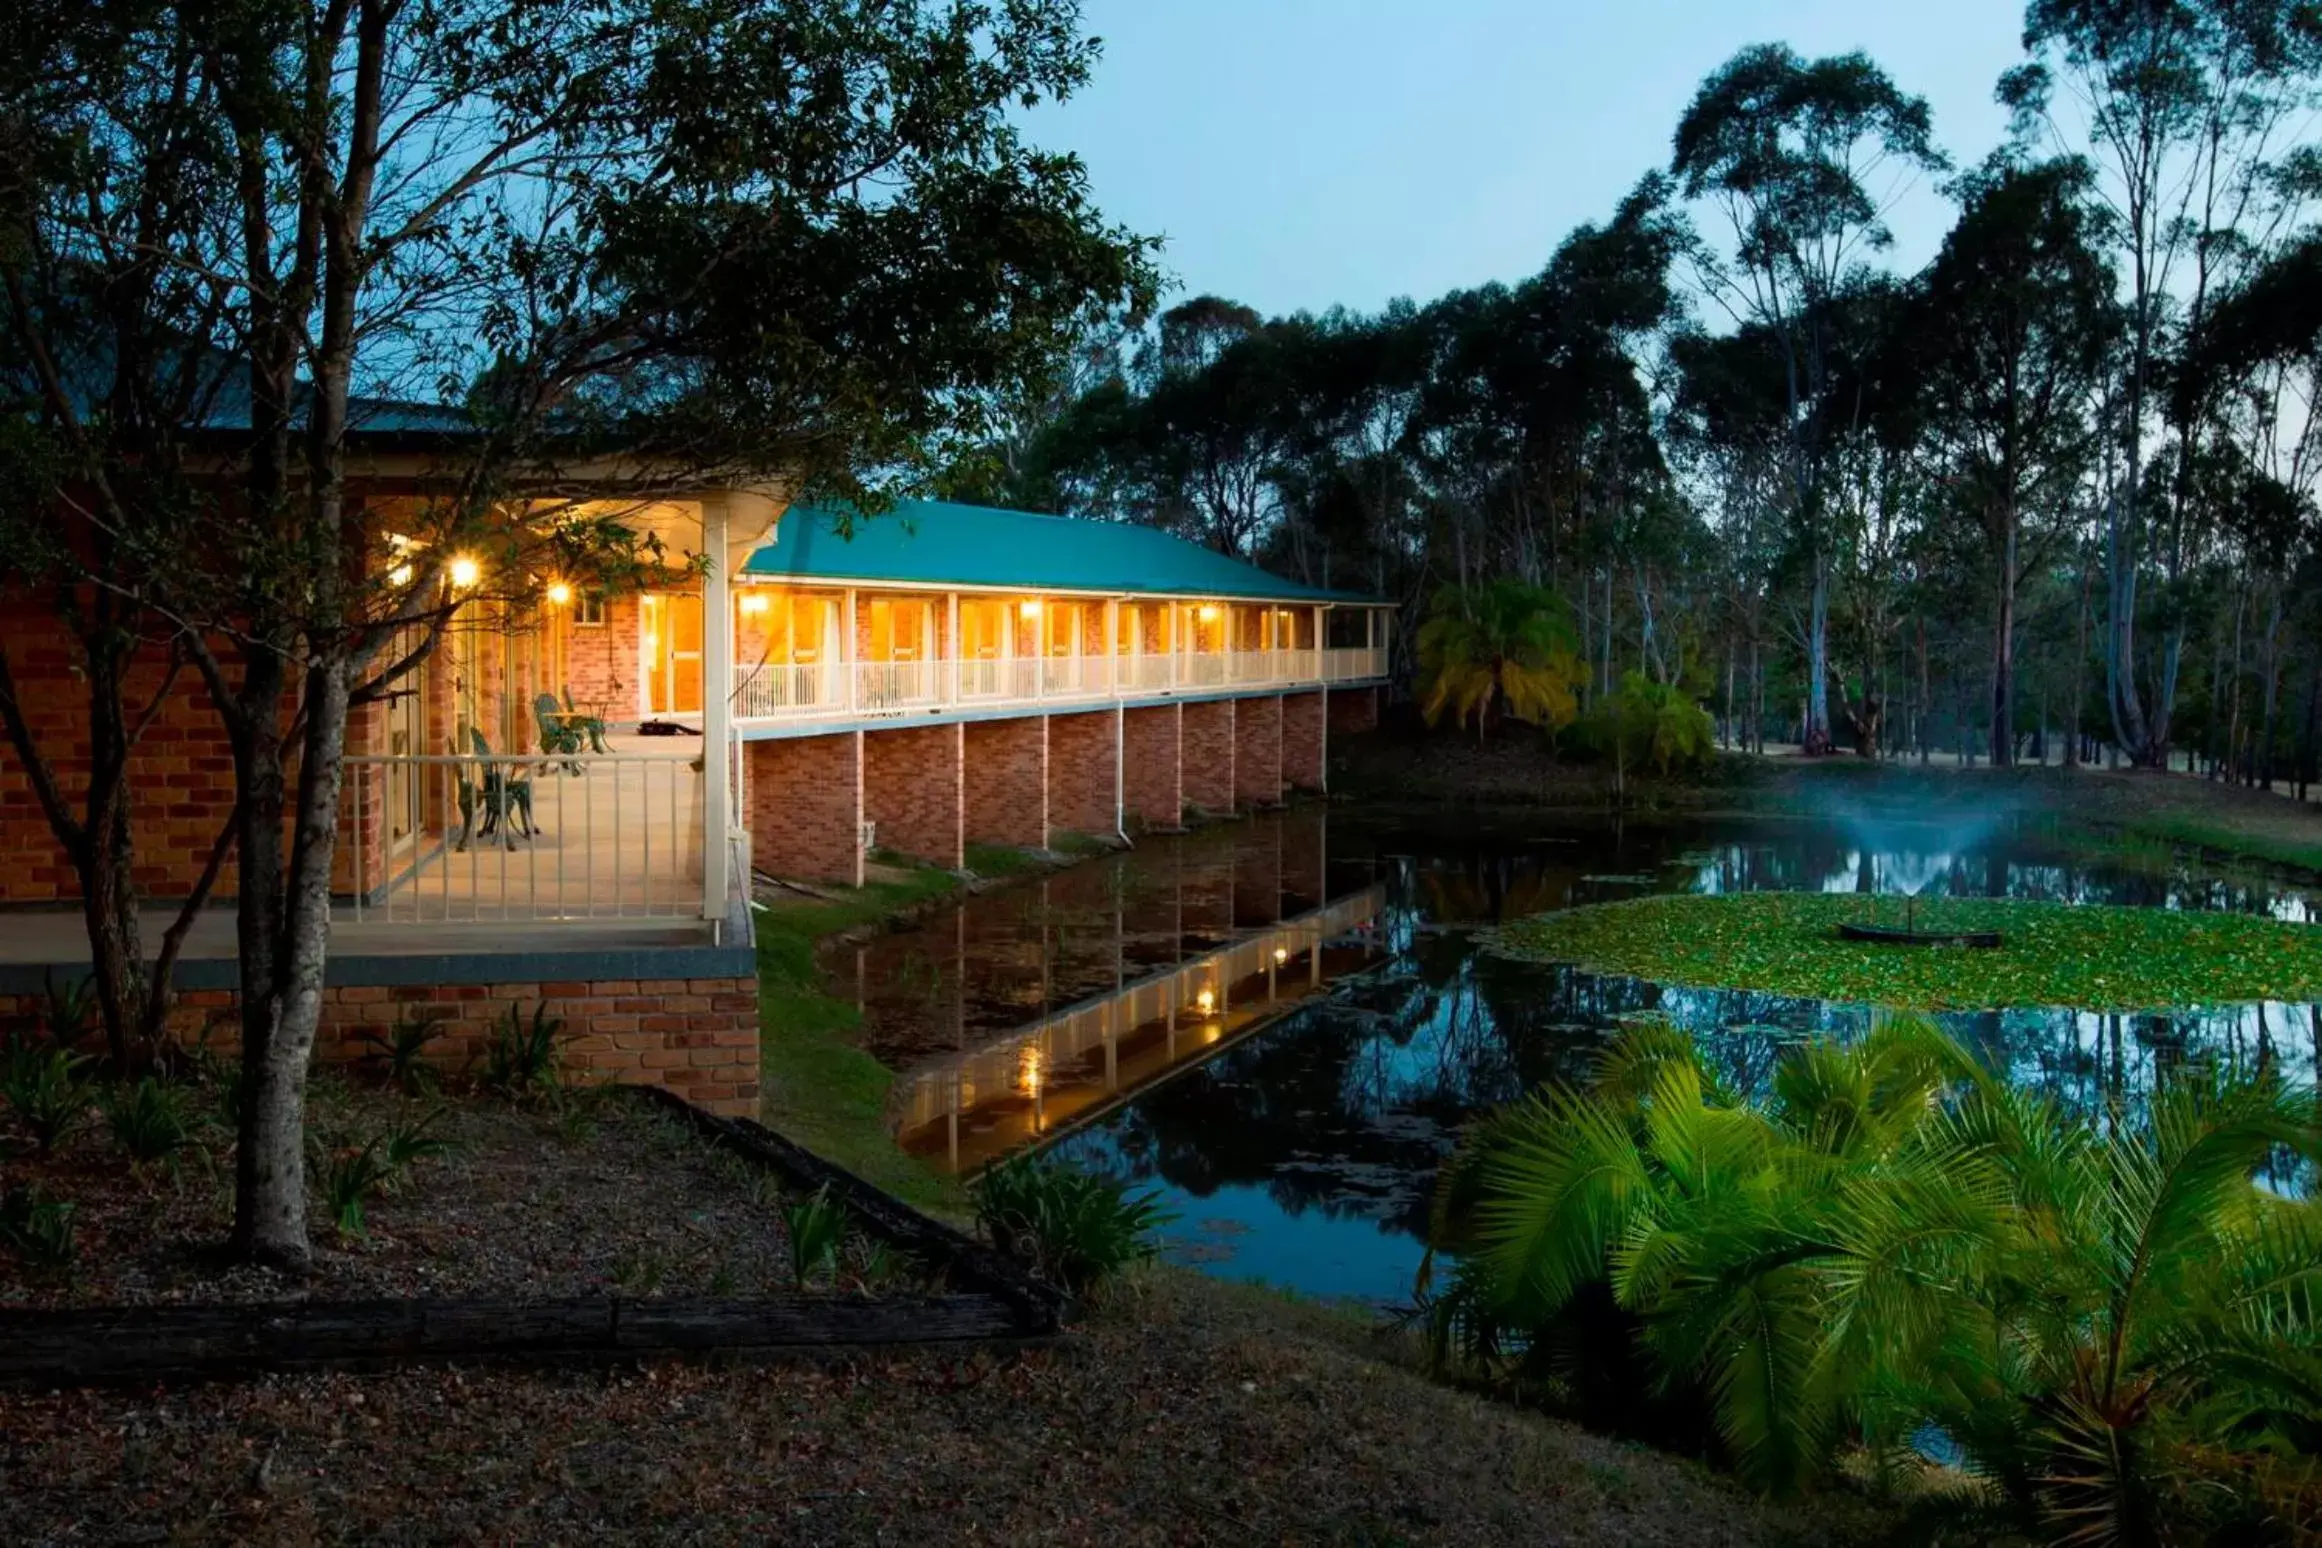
406, 739
669, 641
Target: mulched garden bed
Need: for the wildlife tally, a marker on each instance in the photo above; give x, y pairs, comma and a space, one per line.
581, 1194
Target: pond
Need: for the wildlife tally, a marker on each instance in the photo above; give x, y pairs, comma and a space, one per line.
1281, 1024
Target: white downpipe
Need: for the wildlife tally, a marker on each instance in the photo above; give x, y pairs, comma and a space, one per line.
717, 711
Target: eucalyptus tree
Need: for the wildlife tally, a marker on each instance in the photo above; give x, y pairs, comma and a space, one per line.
1799, 159
2189, 110
720, 241
2013, 335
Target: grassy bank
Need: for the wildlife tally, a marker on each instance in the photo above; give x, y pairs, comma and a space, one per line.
2087, 957
2168, 813
820, 1089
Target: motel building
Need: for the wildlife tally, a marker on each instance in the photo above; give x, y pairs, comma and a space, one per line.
814, 690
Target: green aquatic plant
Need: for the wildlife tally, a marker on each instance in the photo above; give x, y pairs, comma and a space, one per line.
2117, 1327
2086, 956
1073, 1228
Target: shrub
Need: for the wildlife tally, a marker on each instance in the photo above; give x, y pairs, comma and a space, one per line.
2112, 1323
521, 1057
46, 1089
1073, 1228
1649, 722
400, 1053
150, 1119
349, 1175
37, 1228
66, 1012
816, 1226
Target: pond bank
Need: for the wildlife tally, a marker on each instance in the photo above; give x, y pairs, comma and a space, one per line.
2175, 811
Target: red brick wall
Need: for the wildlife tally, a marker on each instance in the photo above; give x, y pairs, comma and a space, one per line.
601, 660
1304, 741
698, 1036
1353, 710
1208, 755
911, 789
1006, 775
1258, 751
1150, 778
805, 804
1082, 794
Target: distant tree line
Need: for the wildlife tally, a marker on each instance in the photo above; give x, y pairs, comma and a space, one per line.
2051, 496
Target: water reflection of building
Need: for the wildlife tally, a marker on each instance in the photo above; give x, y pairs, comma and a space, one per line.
968, 1109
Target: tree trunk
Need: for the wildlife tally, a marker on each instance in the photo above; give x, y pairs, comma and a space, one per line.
1815, 735
2003, 666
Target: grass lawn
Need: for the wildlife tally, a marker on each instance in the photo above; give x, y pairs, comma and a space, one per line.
819, 1089
2092, 958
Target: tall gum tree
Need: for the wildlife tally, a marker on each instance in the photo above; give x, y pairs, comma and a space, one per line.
1799, 160
707, 242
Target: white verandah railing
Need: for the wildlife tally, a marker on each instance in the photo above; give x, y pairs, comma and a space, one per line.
837, 690
514, 839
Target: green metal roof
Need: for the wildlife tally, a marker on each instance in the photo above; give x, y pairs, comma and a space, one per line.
935, 543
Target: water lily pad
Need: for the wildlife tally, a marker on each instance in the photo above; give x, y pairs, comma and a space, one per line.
2088, 957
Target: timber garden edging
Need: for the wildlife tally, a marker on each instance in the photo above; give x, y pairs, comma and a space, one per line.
1000, 1304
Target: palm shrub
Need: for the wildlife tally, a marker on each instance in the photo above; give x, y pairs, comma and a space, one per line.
2115, 1325
1073, 1228
1503, 650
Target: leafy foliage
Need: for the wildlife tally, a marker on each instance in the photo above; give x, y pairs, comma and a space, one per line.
2090, 957
150, 1119
1503, 650
350, 1174
1073, 1228
522, 1057
47, 1090
37, 1228
2116, 1326
816, 1226
1647, 721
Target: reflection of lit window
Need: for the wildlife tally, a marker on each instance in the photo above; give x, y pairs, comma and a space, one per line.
1028, 1070
1205, 1002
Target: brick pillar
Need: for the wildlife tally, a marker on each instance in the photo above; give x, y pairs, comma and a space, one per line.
1304, 741
1005, 784
1258, 751
912, 792
1153, 746
806, 806
1353, 710
1081, 784
1207, 753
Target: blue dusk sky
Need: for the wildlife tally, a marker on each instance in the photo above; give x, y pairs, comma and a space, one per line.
1301, 153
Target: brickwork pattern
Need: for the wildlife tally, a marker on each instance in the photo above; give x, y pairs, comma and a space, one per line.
1304, 741
697, 1036
1353, 710
1151, 786
601, 660
1082, 793
911, 791
805, 802
1208, 755
1005, 791
1258, 751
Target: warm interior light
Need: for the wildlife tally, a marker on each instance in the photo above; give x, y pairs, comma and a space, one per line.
1029, 609
400, 576
1205, 1002
1209, 614
465, 572
754, 602
559, 593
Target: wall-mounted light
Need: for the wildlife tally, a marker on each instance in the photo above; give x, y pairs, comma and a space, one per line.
559, 594
755, 602
1209, 613
1281, 955
1029, 608
465, 572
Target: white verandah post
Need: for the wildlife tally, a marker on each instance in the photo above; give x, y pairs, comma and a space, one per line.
717, 712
